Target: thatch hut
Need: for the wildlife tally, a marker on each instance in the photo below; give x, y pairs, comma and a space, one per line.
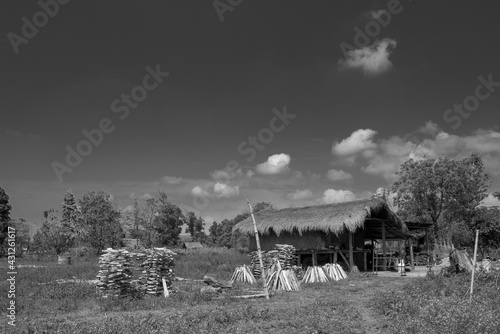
328, 230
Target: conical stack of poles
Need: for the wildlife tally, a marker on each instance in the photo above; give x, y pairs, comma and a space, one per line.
334, 271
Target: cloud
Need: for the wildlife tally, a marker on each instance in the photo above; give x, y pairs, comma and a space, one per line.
338, 175
300, 194
372, 59
359, 140
219, 190
275, 164
222, 190
337, 196
490, 201
171, 179
384, 156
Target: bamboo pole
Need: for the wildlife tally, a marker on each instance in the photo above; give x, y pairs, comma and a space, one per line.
257, 241
474, 266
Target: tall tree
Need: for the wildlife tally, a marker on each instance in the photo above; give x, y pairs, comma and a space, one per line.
100, 221
5, 208
195, 227
71, 216
168, 221
52, 236
440, 190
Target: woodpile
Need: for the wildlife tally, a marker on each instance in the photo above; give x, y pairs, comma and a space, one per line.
115, 272
278, 278
314, 274
157, 264
215, 285
243, 274
334, 271
116, 268
285, 254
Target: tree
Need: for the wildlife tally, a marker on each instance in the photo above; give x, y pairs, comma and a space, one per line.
195, 227
168, 221
52, 236
100, 221
5, 208
71, 217
487, 221
441, 191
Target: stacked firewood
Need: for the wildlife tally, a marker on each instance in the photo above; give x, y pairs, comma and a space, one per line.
115, 272
157, 265
285, 254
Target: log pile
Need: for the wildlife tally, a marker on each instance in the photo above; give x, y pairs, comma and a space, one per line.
334, 271
157, 264
115, 272
278, 278
285, 254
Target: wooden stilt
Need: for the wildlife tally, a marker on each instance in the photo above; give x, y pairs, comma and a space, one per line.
351, 254
384, 247
315, 258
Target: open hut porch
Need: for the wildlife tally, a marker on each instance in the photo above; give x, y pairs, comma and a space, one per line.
331, 233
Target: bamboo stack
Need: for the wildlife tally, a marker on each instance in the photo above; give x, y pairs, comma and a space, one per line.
279, 278
243, 274
158, 264
314, 274
334, 271
115, 272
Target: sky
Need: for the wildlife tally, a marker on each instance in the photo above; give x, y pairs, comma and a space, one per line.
222, 102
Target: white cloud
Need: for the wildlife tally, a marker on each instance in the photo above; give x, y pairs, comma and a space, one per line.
171, 179
359, 140
384, 156
490, 201
337, 196
300, 194
275, 164
222, 190
372, 59
338, 175
199, 192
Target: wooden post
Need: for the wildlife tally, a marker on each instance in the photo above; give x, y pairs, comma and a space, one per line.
351, 255
335, 257
314, 258
365, 263
384, 248
257, 241
428, 250
474, 266
412, 259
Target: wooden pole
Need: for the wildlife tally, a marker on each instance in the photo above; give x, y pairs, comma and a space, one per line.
257, 241
474, 266
351, 254
384, 247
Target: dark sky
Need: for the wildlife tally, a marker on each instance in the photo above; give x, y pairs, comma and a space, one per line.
355, 121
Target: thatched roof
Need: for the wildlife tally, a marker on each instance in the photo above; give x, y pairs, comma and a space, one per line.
192, 245
329, 218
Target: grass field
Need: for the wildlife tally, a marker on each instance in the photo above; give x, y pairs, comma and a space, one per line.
360, 304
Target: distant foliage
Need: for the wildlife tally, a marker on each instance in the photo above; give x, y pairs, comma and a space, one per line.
100, 221
5, 208
52, 237
195, 227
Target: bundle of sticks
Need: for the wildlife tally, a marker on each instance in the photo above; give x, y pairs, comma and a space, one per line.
314, 274
278, 278
243, 274
115, 272
157, 265
334, 271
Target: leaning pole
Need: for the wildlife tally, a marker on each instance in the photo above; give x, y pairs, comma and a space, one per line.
262, 270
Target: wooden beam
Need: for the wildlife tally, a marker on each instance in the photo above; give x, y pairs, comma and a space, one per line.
257, 241
335, 257
351, 254
365, 264
384, 247
315, 258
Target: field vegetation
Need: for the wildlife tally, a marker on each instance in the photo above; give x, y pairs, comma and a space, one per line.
361, 304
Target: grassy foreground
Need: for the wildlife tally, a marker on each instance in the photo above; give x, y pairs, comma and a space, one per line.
360, 304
